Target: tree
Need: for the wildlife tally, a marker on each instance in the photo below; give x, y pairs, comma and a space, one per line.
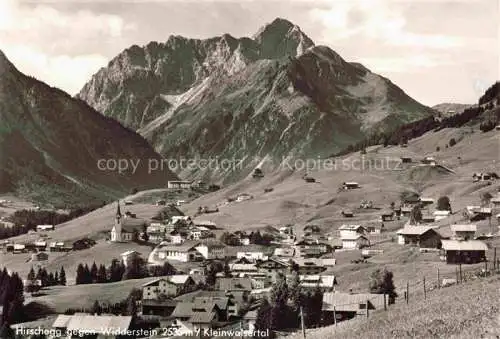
62, 277
416, 215
438, 149
227, 269
381, 282
93, 273
294, 292
96, 308
485, 198
443, 204
452, 142
262, 321
101, 274
135, 269
31, 275
80, 274
278, 298
116, 270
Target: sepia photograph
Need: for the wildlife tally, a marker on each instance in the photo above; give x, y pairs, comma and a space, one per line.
249, 169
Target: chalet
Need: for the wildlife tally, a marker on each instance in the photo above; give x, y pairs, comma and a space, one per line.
243, 197
177, 184
199, 314
495, 201
156, 232
178, 237
273, 265
428, 218
441, 214
40, 245
181, 221
184, 253
40, 256
312, 229
429, 161
170, 286
481, 177
426, 201
309, 179
284, 252
476, 213
355, 242
464, 252
406, 210
387, 215
59, 247
305, 248
347, 213
129, 256
129, 202
464, 232
309, 265
99, 326
252, 256
19, 248
348, 305
212, 250
243, 269
286, 230
158, 307
351, 230
206, 224
406, 160
233, 284
325, 282
350, 185
421, 236
375, 227
41, 228
160, 202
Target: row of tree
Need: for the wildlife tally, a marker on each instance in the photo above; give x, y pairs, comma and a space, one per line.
136, 268
45, 278
11, 301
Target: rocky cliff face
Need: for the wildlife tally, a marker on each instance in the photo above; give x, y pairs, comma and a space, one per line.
51, 145
267, 97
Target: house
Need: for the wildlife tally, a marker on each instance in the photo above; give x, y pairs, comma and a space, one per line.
286, 230
129, 256
429, 161
199, 314
406, 210
426, 201
284, 252
205, 224
351, 230
464, 232
178, 237
350, 185
375, 227
212, 250
160, 202
156, 232
170, 286
387, 215
162, 308
476, 213
252, 255
40, 245
179, 184
481, 177
233, 284
126, 229
180, 221
441, 214
406, 160
243, 197
464, 252
41, 228
99, 326
164, 251
325, 282
19, 248
421, 236
355, 242
495, 201
59, 247
40, 256
345, 306
305, 248
309, 265
428, 218
347, 214
241, 270
272, 265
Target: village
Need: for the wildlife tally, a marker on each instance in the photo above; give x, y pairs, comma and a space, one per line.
194, 274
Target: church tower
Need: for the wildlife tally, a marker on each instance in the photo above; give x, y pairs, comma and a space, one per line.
116, 232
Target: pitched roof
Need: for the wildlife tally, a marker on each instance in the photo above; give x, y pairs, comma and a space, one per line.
202, 317
464, 228
231, 284
132, 224
184, 247
347, 302
414, 230
97, 324
469, 245
346, 227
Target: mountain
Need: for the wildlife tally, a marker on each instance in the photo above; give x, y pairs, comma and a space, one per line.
271, 96
52, 146
447, 109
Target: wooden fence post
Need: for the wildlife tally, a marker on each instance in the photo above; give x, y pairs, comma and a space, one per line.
367, 311
439, 279
334, 316
407, 292
425, 292
385, 302
460, 268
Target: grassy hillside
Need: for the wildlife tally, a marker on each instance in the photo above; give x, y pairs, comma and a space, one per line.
469, 310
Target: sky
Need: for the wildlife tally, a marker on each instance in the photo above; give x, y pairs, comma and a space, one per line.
435, 50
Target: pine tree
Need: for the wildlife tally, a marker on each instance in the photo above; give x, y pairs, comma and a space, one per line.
262, 321
86, 276
381, 282
31, 275
278, 299
96, 308
294, 292
62, 277
101, 274
80, 274
93, 273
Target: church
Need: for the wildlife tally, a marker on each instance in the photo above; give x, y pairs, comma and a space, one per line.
126, 228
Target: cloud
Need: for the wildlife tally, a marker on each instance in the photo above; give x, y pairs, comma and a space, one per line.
376, 19
47, 43
62, 71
